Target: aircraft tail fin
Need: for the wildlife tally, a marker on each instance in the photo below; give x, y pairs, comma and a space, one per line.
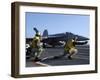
45, 33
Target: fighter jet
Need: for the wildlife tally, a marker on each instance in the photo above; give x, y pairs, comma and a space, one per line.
57, 39
60, 38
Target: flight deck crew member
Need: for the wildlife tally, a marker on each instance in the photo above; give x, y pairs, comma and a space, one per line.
70, 47
37, 47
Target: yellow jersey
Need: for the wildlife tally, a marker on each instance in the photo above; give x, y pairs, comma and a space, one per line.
69, 44
35, 41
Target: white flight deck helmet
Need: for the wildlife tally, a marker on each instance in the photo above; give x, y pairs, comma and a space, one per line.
38, 34
75, 38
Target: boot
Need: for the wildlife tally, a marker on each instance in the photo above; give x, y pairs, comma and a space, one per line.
69, 57
37, 59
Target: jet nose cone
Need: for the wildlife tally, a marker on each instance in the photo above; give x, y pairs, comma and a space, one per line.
81, 38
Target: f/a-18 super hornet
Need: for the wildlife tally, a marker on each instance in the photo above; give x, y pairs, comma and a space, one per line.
57, 39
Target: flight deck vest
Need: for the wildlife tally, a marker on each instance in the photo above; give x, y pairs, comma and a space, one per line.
69, 44
34, 42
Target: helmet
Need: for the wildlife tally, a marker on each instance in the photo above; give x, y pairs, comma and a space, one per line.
38, 34
75, 38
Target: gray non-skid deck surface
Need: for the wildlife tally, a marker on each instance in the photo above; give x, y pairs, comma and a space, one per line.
82, 57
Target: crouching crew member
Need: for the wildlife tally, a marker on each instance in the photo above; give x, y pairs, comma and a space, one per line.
70, 47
